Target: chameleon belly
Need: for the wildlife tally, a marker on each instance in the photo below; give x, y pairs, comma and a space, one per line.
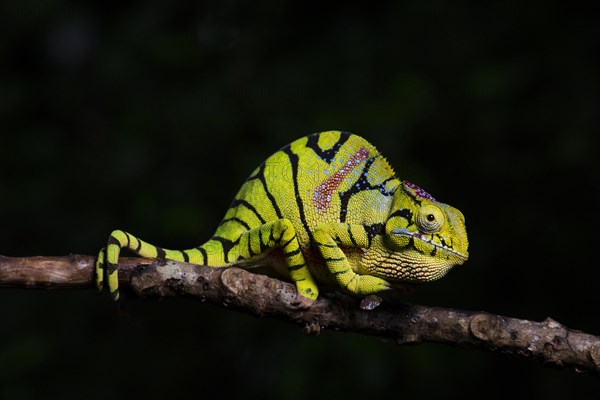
315, 209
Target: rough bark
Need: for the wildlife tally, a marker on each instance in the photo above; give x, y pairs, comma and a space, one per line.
548, 341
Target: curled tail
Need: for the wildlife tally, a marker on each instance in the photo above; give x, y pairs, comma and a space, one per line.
211, 254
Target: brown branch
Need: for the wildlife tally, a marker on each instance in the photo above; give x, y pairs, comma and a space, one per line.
549, 342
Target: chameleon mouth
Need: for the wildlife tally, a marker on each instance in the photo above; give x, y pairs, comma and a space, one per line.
440, 246
437, 246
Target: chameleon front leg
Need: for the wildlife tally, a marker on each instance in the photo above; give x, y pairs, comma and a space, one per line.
328, 238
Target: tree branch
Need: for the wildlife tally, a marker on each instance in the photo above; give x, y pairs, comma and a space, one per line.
548, 341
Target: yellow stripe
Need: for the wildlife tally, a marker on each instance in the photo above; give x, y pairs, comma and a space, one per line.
174, 255
147, 250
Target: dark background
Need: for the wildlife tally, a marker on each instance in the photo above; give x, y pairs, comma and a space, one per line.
148, 116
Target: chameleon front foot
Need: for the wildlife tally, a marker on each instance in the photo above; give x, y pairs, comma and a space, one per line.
366, 285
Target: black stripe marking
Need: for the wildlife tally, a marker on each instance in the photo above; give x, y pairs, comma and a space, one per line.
263, 246
418, 201
352, 236
294, 164
443, 242
238, 202
110, 267
113, 240
250, 251
327, 245
296, 267
139, 246
351, 280
186, 257
204, 255
411, 244
292, 253
276, 239
404, 213
238, 220
226, 244
362, 184
288, 242
334, 259
127, 235
342, 272
373, 230
260, 175
160, 253
329, 154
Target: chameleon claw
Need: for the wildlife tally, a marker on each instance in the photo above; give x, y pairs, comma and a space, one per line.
302, 302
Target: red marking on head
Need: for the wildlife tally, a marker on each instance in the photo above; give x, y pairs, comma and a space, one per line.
323, 192
417, 191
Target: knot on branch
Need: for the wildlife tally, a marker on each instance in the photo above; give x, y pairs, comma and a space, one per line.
486, 327
237, 284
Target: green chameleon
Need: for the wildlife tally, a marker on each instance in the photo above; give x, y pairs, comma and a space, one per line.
326, 208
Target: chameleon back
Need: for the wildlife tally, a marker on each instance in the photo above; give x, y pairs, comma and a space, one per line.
314, 180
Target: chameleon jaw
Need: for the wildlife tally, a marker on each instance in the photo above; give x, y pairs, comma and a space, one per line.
425, 239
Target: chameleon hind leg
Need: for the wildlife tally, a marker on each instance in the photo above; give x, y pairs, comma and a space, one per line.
106, 268
328, 238
252, 243
281, 234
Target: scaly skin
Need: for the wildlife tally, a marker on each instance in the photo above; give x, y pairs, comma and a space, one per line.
326, 208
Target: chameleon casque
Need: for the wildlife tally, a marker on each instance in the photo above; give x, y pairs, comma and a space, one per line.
326, 208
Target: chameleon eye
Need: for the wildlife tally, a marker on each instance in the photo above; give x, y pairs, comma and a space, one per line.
430, 218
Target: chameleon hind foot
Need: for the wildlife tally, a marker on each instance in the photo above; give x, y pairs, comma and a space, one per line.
302, 302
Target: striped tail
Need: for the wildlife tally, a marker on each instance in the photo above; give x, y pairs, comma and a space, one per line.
210, 254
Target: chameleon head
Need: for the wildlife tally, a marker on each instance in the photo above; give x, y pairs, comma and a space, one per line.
423, 238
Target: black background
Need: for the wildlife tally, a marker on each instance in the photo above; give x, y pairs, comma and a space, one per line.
148, 116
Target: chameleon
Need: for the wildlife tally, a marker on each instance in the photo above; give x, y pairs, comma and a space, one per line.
325, 209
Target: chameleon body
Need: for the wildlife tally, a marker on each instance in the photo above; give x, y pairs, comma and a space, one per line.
326, 208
